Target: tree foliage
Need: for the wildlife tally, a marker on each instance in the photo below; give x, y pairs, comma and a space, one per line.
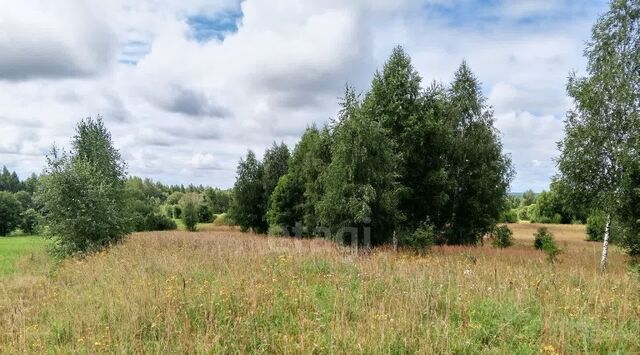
248, 206
189, 204
361, 182
602, 131
9, 213
82, 192
298, 192
395, 161
275, 164
479, 173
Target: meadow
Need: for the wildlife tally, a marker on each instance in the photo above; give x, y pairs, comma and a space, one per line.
223, 291
13, 249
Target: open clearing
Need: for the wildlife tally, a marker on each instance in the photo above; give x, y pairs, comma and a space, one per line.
223, 291
12, 249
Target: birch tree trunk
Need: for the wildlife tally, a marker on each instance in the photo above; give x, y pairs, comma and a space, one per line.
605, 244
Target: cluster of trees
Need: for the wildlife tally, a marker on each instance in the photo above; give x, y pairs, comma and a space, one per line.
552, 206
209, 203
401, 160
17, 206
255, 185
86, 202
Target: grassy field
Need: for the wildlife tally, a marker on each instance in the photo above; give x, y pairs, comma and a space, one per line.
222, 291
12, 249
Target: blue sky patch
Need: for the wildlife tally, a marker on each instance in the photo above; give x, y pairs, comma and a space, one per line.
132, 51
204, 28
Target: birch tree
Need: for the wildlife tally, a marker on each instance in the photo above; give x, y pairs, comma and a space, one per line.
603, 128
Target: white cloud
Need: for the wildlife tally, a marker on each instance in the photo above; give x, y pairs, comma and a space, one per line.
188, 110
53, 39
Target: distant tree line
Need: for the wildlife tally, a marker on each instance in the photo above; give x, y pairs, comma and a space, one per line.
17, 206
423, 165
551, 206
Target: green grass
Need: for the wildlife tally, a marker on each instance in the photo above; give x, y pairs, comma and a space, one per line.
14, 248
223, 291
199, 227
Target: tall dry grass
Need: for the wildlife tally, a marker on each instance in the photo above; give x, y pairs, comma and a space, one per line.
229, 292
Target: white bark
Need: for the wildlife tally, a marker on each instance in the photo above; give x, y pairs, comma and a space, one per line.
395, 242
605, 244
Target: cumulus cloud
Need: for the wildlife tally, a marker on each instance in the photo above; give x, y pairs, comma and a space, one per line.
44, 39
186, 87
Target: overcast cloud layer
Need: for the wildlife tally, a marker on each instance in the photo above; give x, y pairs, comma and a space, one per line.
187, 86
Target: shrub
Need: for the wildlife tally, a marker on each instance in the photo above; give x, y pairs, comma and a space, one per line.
9, 213
159, 222
30, 221
138, 212
501, 237
204, 213
223, 219
544, 241
276, 230
189, 205
595, 226
421, 239
510, 216
177, 211
543, 238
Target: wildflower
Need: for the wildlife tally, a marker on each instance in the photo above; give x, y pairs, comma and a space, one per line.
549, 349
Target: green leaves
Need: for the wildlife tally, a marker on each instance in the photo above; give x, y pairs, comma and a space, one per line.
82, 194
361, 183
602, 138
247, 207
392, 160
9, 213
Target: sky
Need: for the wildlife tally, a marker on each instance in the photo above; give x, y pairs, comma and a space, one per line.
188, 86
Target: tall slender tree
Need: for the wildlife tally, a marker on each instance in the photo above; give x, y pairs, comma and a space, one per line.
479, 173
297, 195
602, 131
275, 164
361, 182
247, 208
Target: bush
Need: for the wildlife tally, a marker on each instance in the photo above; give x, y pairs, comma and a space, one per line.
9, 213
277, 231
543, 238
30, 221
544, 241
177, 211
189, 205
595, 227
204, 214
223, 219
556, 219
421, 239
501, 237
159, 222
510, 216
